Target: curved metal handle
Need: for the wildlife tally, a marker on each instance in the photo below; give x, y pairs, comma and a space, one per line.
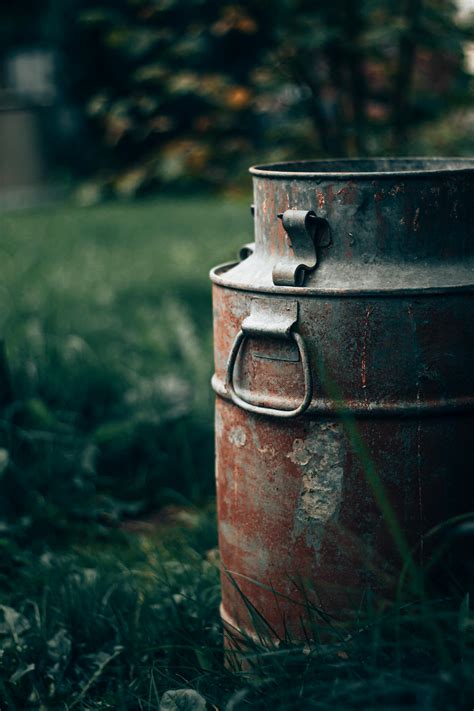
304, 230
258, 409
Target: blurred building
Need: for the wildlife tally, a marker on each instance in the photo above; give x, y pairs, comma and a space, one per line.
30, 104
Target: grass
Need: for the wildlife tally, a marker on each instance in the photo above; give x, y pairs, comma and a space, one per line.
118, 623
106, 425
107, 326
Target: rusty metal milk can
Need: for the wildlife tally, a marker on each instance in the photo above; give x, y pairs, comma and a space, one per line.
345, 379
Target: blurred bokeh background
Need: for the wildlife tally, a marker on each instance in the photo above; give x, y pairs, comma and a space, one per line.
133, 96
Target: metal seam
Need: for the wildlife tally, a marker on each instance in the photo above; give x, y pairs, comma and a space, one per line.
322, 406
309, 291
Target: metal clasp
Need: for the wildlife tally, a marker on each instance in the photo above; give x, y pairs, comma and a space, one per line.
301, 227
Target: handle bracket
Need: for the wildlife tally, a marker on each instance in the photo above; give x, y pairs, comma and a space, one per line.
300, 226
274, 319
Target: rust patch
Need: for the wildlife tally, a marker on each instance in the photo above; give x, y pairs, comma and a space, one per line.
255, 555
397, 189
330, 194
348, 195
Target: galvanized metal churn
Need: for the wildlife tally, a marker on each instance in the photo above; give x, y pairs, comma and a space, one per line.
345, 380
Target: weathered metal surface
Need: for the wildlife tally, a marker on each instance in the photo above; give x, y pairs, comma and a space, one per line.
385, 326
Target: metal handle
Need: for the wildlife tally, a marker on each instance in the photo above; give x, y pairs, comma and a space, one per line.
275, 325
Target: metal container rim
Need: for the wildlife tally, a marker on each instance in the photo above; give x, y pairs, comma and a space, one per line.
217, 277
365, 168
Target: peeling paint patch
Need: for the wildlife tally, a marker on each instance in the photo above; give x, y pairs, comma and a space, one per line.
267, 450
320, 457
218, 423
237, 436
229, 478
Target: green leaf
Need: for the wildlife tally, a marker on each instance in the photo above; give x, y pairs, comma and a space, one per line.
465, 619
14, 623
98, 17
4, 460
59, 646
21, 671
100, 661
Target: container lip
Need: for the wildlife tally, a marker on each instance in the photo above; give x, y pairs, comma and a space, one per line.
217, 275
322, 169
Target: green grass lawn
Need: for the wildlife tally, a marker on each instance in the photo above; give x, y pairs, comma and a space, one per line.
106, 415
107, 328
105, 424
123, 286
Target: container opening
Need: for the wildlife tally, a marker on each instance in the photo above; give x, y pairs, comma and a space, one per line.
365, 166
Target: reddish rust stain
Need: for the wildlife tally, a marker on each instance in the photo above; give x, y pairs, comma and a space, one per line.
379, 196
330, 194
321, 200
348, 194
397, 189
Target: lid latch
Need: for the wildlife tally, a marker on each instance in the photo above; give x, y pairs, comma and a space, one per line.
301, 227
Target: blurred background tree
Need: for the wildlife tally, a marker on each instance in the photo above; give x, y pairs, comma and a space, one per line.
194, 90
189, 92
168, 86
371, 72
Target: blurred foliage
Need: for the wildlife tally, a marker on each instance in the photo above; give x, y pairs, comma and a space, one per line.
191, 91
105, 402
171, 87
